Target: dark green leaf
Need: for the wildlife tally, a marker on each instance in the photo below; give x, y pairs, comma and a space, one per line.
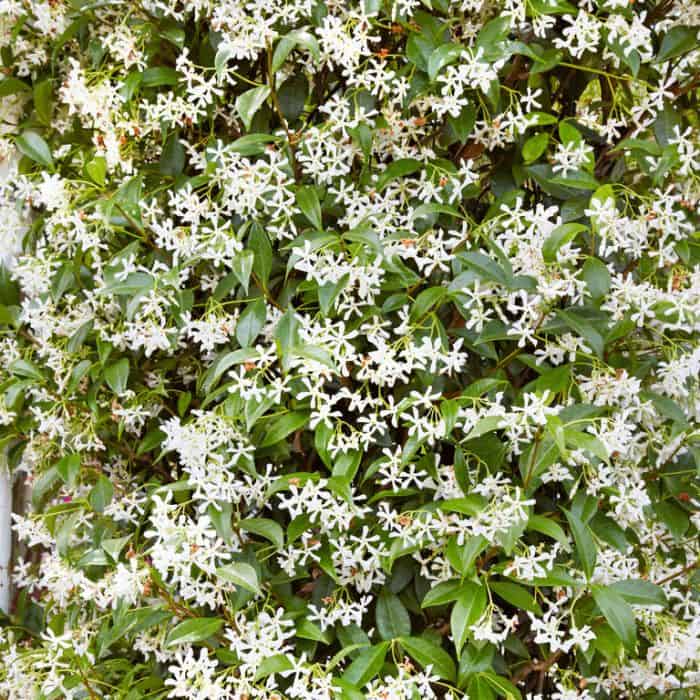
618, 613
33, 146
392, 617
240, 573
639, 592
467, 610
117, 375
101, 494
307, 199
367, 665
585, 545
195, 630
251, 322
283, 425
427, 653
399, 168
265, 527
250, 102
678, 40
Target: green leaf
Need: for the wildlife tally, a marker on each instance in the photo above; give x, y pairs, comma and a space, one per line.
677, 41
585, 441
535, 146
558, 576
462, 557
101, 494
273, 664
367, 665
259, 243
443, 593
501, 685
427, 653
548, 527
25, 368
68, 468
287, 43
463, 124
172, 159
347, 691
443, 56
265, 527
281, 426
485, 267
12, 86
195, 630
305, 629
223, 362
114, 545
328, 293
158, 76
585, 329
221, 520
425, 210
492, 38
559, 237
426, 300
468, 609
292, 97
76, 341
33, 146
473, 660
307, 199
242, 267
316, 353
346, 464
97, 170
223, 54
666, 124
516, 595
250, 102
42, 101
478, 688
287, 332
399, 168
636, 591
253, 144
483, 426
585, 544
568, 133
674, 517
242, 574
597, 277
117, 376
43, 485
251, 322
392, 617
617, 612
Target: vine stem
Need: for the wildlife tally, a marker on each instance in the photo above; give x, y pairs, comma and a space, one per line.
5, 534
540, 666
680, 572
278, 108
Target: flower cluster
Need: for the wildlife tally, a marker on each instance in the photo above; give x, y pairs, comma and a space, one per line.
349, 349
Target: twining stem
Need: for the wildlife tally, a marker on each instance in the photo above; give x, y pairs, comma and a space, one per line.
676, 574
276, 103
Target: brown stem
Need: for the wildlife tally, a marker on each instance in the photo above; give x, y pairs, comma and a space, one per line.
676, 574
278, 108
540, 666
87, 685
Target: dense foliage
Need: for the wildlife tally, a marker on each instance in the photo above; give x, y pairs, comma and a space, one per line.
350, 348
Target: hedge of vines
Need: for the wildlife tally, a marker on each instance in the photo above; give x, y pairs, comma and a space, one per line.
349, 349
